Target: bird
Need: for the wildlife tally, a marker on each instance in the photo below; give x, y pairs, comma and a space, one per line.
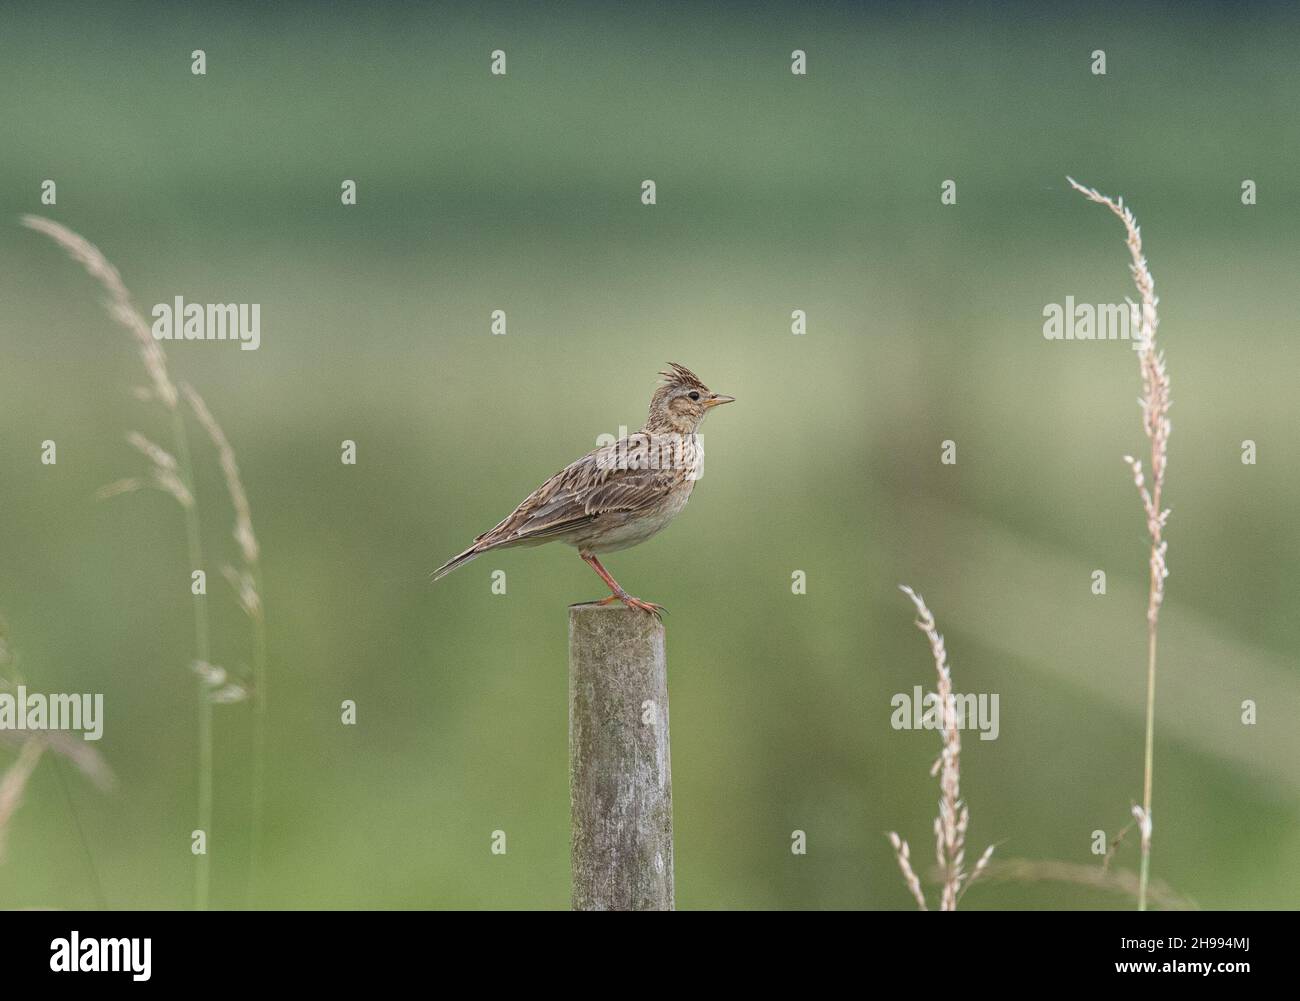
619, 494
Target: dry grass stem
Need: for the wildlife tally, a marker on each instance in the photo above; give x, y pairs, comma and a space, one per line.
14, 781
954, 816
119, 305
243, 532
70, 746
1115, 842
221, 690
172, 472
164, 474
904, 855
245, 582
76, 751
1123, 881
1155, 403
31, 748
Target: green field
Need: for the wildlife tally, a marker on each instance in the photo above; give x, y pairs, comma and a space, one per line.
774, 193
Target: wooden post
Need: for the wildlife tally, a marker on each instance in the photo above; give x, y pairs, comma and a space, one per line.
620, 778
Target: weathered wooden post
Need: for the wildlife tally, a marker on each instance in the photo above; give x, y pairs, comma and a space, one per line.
620, 778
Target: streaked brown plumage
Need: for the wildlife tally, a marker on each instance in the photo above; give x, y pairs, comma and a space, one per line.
617, 495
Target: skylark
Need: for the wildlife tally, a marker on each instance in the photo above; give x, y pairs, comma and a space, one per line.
618, 495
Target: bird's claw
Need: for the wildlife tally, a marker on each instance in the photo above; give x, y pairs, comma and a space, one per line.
646, 606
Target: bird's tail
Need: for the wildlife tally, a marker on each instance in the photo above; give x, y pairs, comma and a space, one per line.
472, 552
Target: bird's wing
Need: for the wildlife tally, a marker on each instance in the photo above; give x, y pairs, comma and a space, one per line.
598, 483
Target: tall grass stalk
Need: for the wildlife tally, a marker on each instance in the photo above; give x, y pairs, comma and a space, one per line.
246, 581
203, 653
1155, 402
31, 747
954, 816
174, 475
14, 781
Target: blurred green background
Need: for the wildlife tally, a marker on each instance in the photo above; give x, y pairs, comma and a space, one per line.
775, 193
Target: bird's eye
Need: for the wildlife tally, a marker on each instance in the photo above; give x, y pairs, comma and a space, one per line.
695, 396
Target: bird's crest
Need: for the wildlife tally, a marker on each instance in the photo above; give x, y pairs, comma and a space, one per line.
682, 376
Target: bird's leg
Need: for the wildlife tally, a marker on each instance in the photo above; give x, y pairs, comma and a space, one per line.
619, 594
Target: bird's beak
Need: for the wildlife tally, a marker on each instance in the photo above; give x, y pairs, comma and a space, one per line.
717, 400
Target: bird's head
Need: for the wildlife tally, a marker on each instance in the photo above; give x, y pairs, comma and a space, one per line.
681, 402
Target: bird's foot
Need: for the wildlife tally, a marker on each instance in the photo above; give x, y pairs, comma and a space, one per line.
631, 602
